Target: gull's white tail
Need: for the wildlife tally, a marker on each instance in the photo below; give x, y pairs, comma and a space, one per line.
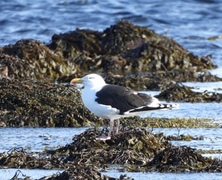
168, 106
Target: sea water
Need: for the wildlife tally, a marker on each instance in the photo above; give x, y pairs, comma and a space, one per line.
195, 24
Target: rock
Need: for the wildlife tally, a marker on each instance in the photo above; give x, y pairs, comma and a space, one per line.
122, 49
40, 104
135, 150
31, 59
81, 172
178, 92
125, 48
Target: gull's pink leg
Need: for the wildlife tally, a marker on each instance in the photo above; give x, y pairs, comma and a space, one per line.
118, 126
104, 138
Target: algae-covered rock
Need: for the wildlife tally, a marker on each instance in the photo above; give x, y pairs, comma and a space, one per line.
125, 48
121, 49
33, 60
179, 92
160, 80
135, 150
40, 104
81, 172
123, 53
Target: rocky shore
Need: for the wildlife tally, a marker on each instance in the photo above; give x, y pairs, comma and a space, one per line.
35, 92
134, 150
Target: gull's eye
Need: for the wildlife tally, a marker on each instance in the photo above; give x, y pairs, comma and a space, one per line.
91, 77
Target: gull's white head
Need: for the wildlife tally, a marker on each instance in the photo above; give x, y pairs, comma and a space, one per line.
90, 81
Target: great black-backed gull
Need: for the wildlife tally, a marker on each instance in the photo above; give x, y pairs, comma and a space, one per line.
114, 102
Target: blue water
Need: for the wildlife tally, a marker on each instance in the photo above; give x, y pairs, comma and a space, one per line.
189, 22
168, 176
195, 24
34, 174
36, 139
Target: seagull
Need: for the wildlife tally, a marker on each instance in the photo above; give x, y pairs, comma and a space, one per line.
113, 102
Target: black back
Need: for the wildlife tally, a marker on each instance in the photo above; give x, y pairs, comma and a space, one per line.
122, 98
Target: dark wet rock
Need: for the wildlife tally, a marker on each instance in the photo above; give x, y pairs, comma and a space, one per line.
126, 148
20, 158
71, 44
179, 123
82, 172
33, 60
183, 137
122, 49
164, 55
40, 104
158, 80
79, 171
178, 92
136, 150
125, 48
182, 159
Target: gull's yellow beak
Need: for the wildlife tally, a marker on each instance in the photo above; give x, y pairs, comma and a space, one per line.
76, 81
